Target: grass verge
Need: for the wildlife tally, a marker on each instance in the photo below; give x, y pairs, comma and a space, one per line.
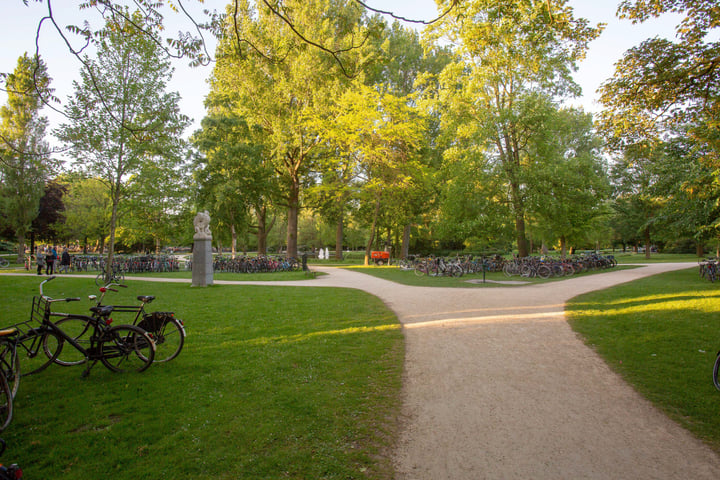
474, 280
661, 334
273, 382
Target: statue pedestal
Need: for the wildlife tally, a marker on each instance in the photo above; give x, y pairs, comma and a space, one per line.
202, 263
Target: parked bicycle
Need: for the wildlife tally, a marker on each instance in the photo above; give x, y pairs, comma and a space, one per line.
115, 275
716, 372
165, 328
120, 348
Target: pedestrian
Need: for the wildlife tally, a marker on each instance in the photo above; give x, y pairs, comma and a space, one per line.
65, 261
40, 258
50, 257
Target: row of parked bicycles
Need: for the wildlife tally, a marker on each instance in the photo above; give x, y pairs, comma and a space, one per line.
128, 263
49, 337
542, 267
258, 264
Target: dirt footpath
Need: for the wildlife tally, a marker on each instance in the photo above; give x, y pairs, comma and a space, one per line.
498, 386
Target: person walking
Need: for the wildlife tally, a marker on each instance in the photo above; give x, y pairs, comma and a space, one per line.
50, 258
64, 261
40, 258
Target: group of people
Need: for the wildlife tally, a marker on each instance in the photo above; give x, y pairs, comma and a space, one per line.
47, 259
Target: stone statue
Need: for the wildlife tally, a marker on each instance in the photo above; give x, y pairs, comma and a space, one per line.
202, 225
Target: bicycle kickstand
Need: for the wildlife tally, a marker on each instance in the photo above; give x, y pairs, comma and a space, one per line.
86, 372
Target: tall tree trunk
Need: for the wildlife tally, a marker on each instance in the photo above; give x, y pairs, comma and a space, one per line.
233, 241
376, 215
339, 237
111, 241
405, 249
21, 247
263, 229
647, 243
293, 210
563, 246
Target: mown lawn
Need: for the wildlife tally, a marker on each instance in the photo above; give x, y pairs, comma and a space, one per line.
661, 334
273, 383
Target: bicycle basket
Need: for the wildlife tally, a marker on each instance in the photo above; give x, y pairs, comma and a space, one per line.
155, 320
40, 307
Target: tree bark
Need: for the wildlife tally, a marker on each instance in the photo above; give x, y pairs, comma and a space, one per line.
339, 237
293, 210
405, 249
368, 247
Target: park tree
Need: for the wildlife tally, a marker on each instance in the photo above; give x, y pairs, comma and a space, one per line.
507, 53
237, 179
282, 85
638, 203
569, 184
88, 208
384, 134
51, 213
661, 86
121, 118
25, 162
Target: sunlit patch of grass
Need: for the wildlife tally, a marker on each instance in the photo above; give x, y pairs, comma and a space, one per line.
661, 333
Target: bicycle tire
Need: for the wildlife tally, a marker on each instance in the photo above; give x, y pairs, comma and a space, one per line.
4, 262
127, 348
10, 367
6, 403
39, 348
716, 372
79, 329
169, 340
543, 271
421, 269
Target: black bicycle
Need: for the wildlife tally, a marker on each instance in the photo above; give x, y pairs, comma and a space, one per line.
165, 328
121, 348
716, 372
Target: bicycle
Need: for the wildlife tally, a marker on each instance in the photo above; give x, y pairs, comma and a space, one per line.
4, 262
120, 348
716, 372
115, 275
167, 331
6, 403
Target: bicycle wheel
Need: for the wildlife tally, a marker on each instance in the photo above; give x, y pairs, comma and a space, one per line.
10, 366
80, 330
6, 403
37, 349
127, 348
421, 269
100, 279
169, 339
716, 372
543, 271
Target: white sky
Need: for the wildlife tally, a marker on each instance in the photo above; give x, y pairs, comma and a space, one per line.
18, 25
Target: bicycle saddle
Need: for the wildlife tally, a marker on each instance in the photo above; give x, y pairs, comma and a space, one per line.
146, 298
103, 310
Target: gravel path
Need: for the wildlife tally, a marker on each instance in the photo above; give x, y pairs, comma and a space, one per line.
498, 386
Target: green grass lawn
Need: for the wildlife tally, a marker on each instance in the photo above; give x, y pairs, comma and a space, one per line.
661, 334
273, 382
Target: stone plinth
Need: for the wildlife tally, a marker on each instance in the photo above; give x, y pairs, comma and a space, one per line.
202, 263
